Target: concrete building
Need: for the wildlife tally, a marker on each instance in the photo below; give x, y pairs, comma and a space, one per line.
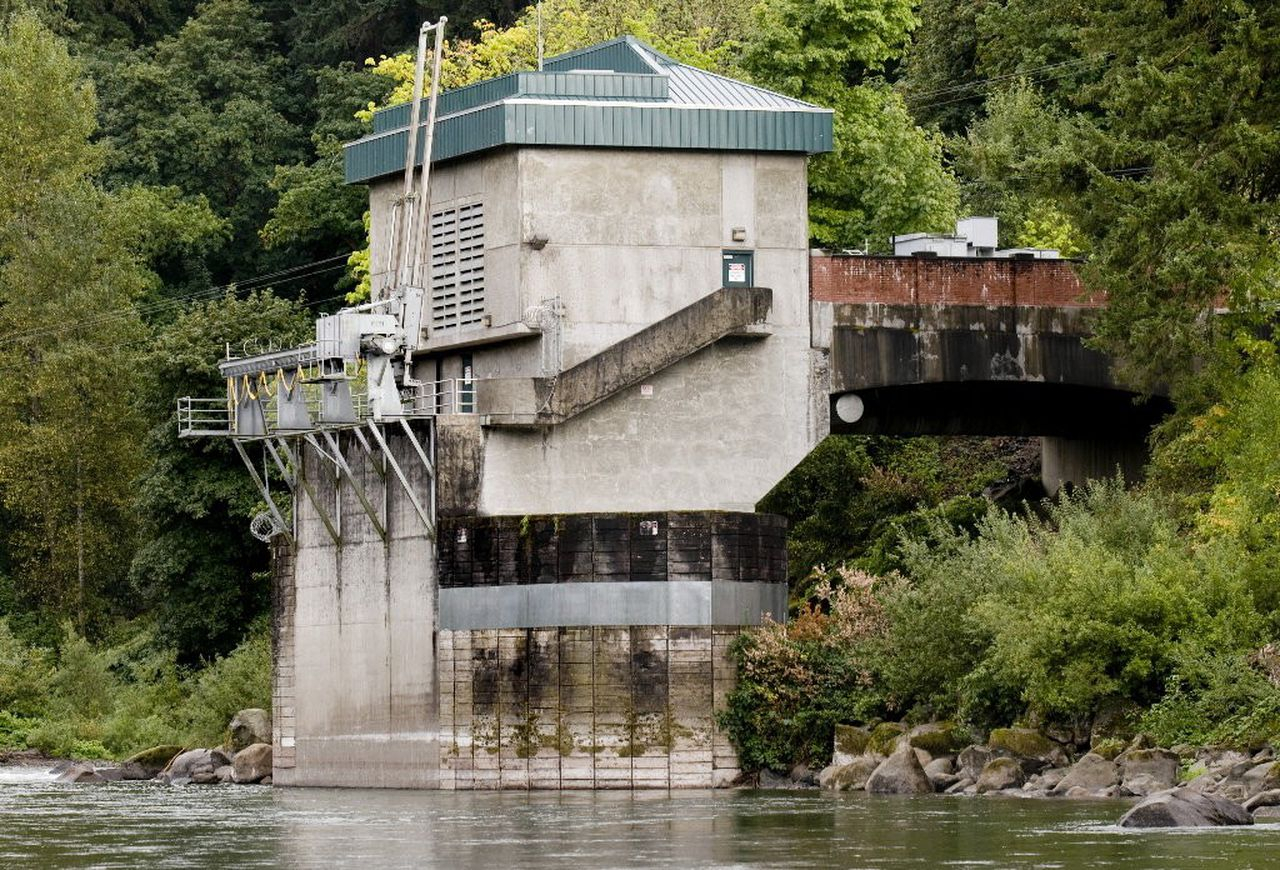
621, 392
524, 475
974, 237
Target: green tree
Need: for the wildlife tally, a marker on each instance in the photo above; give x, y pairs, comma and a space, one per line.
197, 569
71, 264
207, 110
886, 174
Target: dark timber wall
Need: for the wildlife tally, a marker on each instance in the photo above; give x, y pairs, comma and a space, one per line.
494, 551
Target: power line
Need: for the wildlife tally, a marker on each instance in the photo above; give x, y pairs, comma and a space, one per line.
1097, 62
294, 273
144, 340
1088, 61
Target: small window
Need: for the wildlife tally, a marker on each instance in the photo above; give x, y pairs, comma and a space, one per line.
457, 267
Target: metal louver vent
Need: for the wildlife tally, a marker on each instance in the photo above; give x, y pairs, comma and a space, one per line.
457, 267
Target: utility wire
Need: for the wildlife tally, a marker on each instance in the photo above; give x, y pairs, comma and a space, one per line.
1097, 62
964, 86
295, 273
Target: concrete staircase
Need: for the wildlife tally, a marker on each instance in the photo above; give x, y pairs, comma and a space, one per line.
538, 402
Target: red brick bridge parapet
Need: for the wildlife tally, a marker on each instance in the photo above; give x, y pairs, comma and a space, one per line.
941, 345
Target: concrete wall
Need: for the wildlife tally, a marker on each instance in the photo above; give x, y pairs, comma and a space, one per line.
622, 239
354, 651
581, 708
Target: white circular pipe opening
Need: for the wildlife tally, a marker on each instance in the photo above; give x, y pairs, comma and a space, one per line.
849, 407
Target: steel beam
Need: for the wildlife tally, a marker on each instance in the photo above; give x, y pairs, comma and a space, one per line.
351, 478
262, 488
428, 521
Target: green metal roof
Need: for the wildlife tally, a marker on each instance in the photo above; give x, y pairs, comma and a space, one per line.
618, 94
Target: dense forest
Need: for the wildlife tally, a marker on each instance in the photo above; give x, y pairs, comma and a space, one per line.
171, 184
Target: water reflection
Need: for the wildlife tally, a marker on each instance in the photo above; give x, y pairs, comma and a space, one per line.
131, 824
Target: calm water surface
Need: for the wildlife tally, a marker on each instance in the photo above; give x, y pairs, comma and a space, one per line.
43, 824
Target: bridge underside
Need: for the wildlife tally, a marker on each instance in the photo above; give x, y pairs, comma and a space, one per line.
1024, 408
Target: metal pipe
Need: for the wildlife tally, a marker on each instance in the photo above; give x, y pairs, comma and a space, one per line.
422, 250
400, 241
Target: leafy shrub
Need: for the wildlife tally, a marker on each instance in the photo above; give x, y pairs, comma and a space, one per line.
238, 680
797, 680
25, 674
1099, 601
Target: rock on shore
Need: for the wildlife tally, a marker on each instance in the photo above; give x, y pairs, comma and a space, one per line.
1185, 808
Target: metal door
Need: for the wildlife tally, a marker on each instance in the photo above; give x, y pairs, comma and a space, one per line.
736, 269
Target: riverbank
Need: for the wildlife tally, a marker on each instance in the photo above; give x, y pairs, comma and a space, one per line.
938, 758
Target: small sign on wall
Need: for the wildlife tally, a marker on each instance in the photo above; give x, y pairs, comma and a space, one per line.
646, 390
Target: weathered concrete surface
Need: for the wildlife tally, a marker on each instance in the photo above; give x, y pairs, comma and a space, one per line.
355, 702
546, 401
950, 281
606, 707
883, 345
592, 265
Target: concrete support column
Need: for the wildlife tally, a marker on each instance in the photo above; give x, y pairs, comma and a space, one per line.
1077, 460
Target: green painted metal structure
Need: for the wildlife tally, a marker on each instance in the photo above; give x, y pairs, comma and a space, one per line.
619, 94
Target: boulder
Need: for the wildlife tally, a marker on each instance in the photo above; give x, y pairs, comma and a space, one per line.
959, 786
224, 773
852, 776
1107, 747
850, 742
943, 766
249, 727
110, 774
939, 738
942, 773
900, 773
1218, 759
1092, 773
266, 781
800, 774
1261, 777
885, 737
1000, 774
195, 766
768, 779
152, 761
1263, 799
1267, 814
80, 772
1147, 771
1141, 741
1184, 808
1047, 780
132, 771
1029, 744
971, 760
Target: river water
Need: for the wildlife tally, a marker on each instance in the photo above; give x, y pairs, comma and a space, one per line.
43, 824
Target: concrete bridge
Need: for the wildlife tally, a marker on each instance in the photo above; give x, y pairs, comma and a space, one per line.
977, 346
523, 529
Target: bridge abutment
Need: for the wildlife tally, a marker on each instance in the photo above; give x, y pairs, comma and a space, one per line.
1078, 460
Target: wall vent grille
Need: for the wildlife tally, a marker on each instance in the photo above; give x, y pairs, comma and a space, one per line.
457, 267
